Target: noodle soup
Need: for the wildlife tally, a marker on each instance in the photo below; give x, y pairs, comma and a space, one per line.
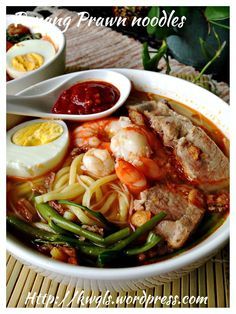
114, 192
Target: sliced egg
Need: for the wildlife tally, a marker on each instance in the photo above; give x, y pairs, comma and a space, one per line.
27, 56
36, 147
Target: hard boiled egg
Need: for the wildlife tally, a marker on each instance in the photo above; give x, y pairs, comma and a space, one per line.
35, 147
27, 56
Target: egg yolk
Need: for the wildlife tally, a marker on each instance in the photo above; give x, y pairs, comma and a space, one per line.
27, 62
37, 134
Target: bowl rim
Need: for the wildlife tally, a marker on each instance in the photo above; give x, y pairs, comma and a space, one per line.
58, 52
202, 250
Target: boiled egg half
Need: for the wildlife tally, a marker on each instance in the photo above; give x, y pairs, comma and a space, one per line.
27, 56
36, 147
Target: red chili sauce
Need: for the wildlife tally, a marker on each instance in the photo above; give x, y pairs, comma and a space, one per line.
87, 98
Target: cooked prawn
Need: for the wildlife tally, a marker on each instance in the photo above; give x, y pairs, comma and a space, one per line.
135, 145
130, 144
151, 169
98, 134
152, 139
98, 162
130, 176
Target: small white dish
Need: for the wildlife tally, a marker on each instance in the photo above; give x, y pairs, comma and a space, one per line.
40, 105
55, 67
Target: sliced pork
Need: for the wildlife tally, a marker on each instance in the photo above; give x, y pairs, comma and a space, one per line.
200, 158
184, 206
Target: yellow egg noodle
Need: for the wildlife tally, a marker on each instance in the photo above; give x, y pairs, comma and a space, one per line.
75, 168
58, 181
106, 195
62, 181
98, 183
66, 193
79, 213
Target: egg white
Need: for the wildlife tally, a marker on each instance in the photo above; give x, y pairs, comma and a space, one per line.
34, 161
40, 46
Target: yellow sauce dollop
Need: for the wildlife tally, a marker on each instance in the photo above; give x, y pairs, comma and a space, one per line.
37, 134
27, 62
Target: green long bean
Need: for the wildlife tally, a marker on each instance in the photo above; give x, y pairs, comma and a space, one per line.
85, 248
94, 250
99, 249
57, 229
99, 216
45, 237
117, 250
152, 240
91, 250
49, 214
149, 225
33, 232
117, 236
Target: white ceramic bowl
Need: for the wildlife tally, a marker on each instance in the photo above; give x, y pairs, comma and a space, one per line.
53, 68
149, 275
